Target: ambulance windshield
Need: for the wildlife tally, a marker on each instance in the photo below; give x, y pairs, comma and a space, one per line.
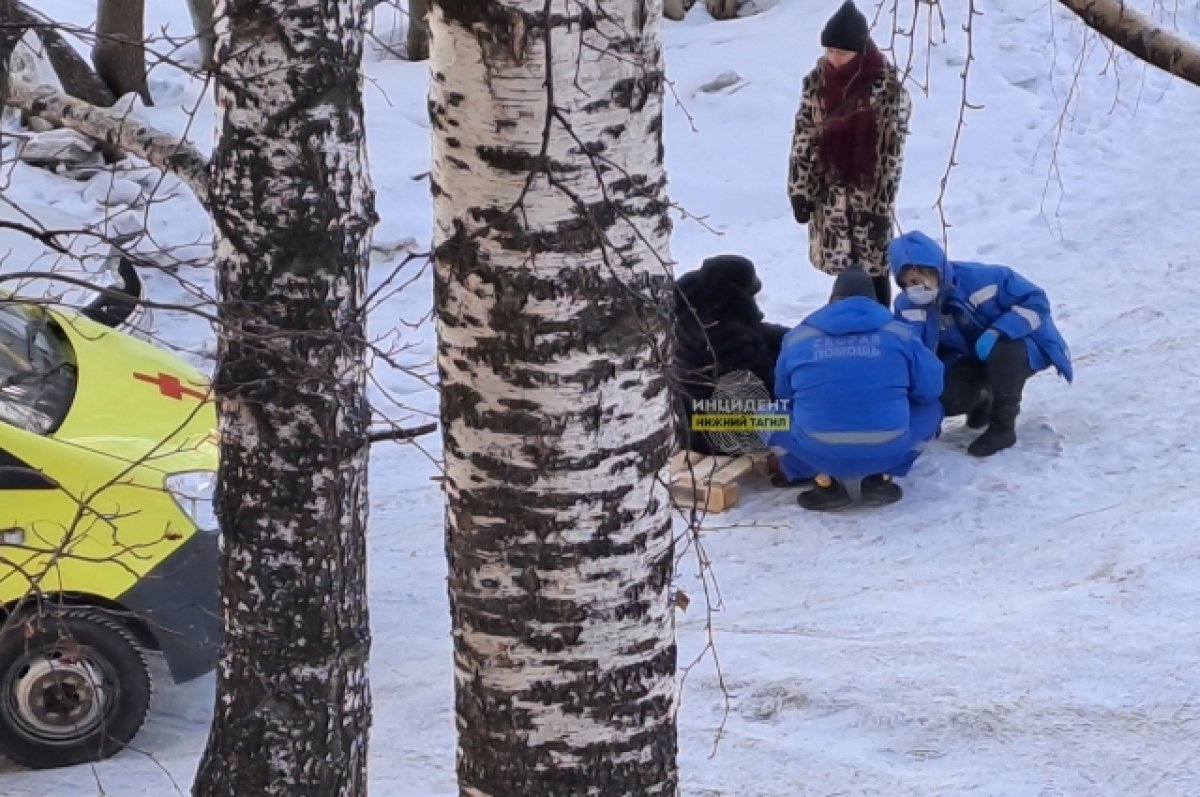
37, 372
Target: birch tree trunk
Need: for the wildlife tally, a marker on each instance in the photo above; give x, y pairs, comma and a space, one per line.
292, 203
202, 12
552, 299
722, 9
677, 10
119, 54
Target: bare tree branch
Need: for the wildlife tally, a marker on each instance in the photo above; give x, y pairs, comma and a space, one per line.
48, 238
1140, 36
401, 433
963, 106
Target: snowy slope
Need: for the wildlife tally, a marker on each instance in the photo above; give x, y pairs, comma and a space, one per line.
1018, 627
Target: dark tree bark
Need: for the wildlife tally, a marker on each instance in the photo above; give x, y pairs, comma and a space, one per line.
1141, 36
77, 77
119, 54
553, 301
293, 209
417, 39
10, 34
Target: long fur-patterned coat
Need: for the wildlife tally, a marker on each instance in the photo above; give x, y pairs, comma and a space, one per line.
850, 225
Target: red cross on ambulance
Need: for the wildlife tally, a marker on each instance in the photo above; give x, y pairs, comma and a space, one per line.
170, 386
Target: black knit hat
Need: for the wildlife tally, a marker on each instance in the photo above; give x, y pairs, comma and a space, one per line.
853, 281
846, 30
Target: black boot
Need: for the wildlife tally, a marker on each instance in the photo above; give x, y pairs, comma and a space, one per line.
780, 480
880, 490
1001, 432
828, 495
981, 413
1007, 372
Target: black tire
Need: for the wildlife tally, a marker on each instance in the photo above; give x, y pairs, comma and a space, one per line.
113, 310
106, 684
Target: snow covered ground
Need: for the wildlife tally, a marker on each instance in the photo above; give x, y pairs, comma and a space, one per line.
1018, 627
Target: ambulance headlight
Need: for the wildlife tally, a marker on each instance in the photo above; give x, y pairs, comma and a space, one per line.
194, 492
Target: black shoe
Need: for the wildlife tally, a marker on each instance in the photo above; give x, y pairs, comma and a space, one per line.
825, 499
997, 438
979, 417
880, 490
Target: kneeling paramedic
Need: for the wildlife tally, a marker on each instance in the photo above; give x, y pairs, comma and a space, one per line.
864, 396
990, 326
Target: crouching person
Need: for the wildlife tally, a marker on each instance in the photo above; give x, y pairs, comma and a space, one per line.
864, 396
991, 327
722, 346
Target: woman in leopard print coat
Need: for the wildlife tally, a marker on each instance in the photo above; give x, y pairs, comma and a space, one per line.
847, 151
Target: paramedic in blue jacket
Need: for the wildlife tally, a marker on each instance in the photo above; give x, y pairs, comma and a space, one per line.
991, 327
864, 396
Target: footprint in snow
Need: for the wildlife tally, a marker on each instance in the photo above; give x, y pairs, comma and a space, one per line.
768, 701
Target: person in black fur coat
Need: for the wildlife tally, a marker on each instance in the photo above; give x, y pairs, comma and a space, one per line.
719, 329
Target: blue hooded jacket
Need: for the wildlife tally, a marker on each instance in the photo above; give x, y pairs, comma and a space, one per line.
972, 298
853, 373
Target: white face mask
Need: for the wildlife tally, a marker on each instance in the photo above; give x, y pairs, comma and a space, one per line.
921, 294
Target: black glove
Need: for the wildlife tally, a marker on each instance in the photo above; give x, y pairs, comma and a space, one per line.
801, 209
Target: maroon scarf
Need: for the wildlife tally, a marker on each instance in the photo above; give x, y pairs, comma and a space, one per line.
848, 135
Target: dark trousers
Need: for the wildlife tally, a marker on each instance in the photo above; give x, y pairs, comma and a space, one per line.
1000, 381
883, 290
805, 458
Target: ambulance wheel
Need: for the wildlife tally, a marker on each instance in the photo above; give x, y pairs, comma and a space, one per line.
74, 688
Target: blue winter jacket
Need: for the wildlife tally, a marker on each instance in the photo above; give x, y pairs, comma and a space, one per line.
974, 297
852, 373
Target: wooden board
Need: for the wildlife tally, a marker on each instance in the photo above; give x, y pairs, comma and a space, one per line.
762, 465
710, 483
709, 498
